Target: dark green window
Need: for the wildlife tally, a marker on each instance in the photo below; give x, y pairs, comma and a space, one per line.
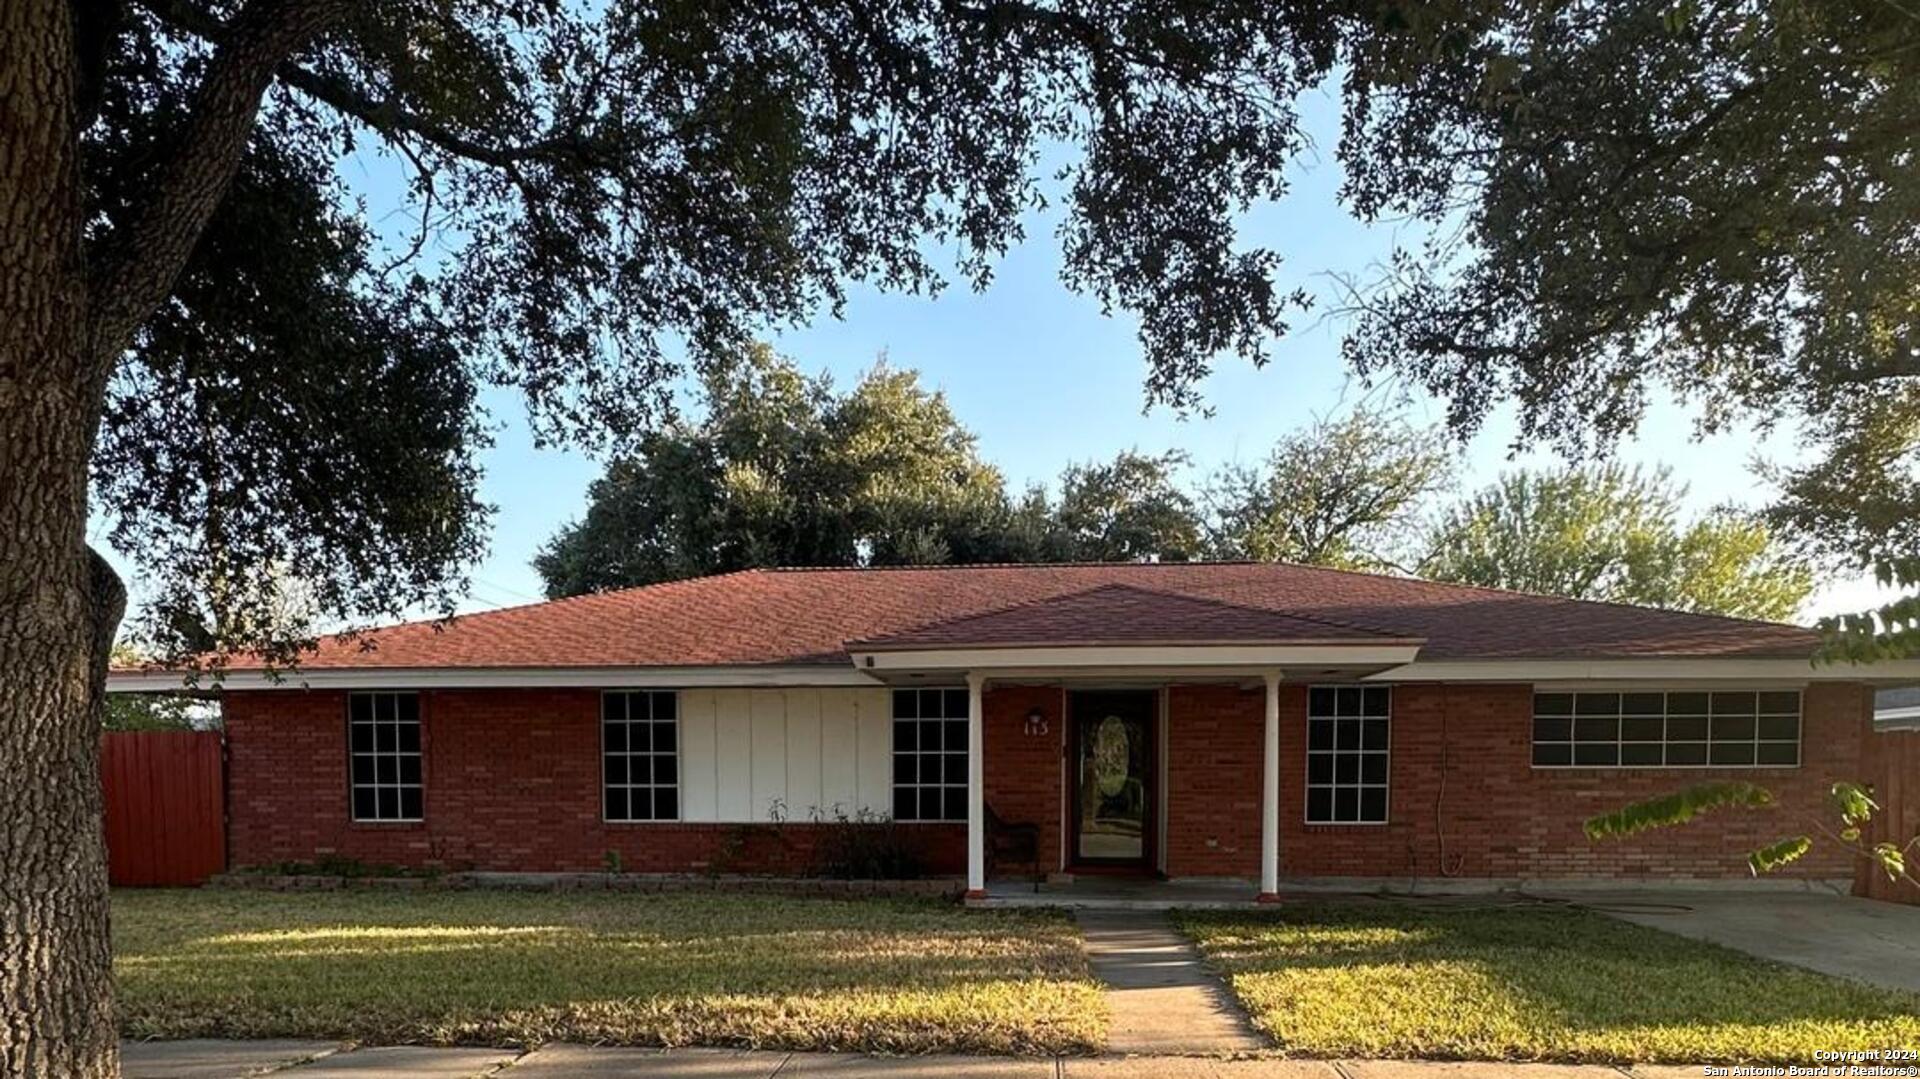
930, 754
1642, 729
383, 756
1348, 736
640, 754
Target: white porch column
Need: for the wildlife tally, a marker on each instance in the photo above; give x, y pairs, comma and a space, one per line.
1270, 797
976, 790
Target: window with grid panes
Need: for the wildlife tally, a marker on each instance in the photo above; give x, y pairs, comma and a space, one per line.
1347, 754
930, 754
383, 756
1652, 729
640, 754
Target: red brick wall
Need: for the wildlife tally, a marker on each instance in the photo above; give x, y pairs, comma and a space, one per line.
1022, 775
1487, 812
1214, 736
512, 783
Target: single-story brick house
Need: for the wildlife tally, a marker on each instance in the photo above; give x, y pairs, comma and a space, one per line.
1253, 721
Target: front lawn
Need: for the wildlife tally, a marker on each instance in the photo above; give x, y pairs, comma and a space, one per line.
1389, 978
499, 968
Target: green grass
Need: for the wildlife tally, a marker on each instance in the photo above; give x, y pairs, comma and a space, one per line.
498, 968
1397, 979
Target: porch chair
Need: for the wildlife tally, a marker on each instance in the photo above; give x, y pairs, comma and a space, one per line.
1013, 844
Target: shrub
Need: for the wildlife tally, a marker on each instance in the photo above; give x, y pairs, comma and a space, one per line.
864, 845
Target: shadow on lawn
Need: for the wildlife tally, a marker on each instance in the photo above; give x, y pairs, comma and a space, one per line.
469, 968
641, 961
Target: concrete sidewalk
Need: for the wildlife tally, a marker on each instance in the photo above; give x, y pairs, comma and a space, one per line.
328, 1060
1162, 999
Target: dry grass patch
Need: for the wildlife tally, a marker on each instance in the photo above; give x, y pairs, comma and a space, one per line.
1485, 982
498, 968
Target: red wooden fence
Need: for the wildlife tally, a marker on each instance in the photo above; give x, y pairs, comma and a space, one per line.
1893, 761
166, 806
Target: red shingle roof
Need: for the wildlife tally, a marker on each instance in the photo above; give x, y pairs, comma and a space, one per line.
1118, 613
808, 616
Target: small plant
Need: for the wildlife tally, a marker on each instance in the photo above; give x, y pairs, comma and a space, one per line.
612, 864
864, 845
334, 865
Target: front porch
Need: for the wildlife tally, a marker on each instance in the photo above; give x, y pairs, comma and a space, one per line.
1074, 702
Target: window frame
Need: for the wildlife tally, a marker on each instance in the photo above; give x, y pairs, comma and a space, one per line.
679, 742
1308, 785
1799, 742
894, 751
419, 752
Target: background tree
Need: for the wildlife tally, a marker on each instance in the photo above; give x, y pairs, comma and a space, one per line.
1345, 492
1713, 199
1614, 533
1129, 509
147, 711
653, 515
784, 471
909, 476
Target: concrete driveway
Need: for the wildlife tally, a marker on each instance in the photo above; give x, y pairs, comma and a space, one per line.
1863, 939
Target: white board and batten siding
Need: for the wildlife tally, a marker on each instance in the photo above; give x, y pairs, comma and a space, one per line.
744, 751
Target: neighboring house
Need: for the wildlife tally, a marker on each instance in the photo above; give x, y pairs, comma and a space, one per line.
1897, 709
1193, 720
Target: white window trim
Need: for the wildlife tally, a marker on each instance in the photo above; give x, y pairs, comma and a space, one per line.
1666, 715
679, 794
420, 720
1307, 785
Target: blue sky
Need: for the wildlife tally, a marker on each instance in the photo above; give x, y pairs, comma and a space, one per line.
1044, 379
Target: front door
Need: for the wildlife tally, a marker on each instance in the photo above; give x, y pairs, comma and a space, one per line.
1113, 776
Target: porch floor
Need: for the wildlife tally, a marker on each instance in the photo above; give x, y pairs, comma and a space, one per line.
1122, 893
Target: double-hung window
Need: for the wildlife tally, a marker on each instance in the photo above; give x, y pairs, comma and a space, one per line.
1722, 729
930, 754
640, 754
1347, 746
383, 756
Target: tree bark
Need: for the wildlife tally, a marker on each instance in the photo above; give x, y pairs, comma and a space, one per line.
63, 326
59, 604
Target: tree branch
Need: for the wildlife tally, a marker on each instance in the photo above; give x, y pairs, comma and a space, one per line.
139, 271
388, 117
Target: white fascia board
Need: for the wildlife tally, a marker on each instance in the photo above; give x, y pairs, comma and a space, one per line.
498, 678
1184, 657
1649, 671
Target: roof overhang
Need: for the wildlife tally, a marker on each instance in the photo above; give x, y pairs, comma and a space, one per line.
808, 674
1395, 662
1743, 671
1137, 660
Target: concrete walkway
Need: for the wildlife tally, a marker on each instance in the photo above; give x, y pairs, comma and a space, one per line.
1163, 1001
327, 1060
1863, 939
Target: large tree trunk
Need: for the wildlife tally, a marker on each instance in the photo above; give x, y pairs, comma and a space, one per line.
59, 604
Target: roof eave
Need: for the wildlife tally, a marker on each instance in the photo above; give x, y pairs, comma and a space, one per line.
1238, 656
909, 644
